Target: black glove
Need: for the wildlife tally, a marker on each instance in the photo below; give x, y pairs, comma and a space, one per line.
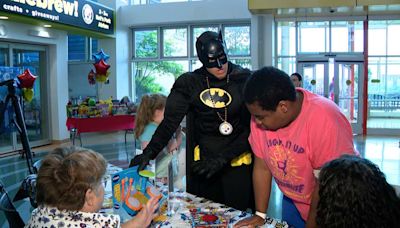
208, 167
142, 160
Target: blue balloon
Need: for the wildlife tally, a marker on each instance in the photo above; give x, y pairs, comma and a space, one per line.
100, 56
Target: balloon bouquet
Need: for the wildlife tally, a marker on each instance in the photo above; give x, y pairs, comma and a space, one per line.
26, 81
101, 66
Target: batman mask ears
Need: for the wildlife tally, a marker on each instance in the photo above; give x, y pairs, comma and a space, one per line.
211, 49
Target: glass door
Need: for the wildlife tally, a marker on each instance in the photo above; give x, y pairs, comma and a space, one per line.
347, 94
339, 79
33, 58
14, 59
314, 78
6, 139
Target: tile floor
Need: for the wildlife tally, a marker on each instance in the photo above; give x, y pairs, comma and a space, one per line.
384, 151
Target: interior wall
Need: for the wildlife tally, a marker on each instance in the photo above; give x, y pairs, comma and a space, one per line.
78, 84
185, 12
118, 50
262, 40
57, 69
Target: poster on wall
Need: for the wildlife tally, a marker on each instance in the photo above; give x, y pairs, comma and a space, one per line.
83, 14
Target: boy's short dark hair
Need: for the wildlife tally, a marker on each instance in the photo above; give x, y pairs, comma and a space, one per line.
268, 86
298, 76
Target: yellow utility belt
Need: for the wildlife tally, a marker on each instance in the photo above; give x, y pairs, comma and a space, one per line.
243, 159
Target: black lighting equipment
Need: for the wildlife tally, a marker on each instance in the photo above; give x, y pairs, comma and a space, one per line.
18, 121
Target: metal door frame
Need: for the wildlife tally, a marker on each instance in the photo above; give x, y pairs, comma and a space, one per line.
33, 47
302, 60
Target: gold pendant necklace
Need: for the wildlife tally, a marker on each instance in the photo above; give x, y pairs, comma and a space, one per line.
225, 128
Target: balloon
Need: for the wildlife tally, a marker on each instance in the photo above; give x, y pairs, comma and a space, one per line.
102, 77
101, 67
100, 56
27, 93
91, 102
91, 76
26, 79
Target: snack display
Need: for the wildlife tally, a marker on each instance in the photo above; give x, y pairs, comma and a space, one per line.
90, 108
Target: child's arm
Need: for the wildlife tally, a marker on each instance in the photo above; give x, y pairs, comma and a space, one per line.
311, 222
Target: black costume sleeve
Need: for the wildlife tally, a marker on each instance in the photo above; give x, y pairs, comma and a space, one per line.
178, 103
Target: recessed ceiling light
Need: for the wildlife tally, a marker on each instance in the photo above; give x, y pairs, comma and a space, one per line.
47, 26
3, 18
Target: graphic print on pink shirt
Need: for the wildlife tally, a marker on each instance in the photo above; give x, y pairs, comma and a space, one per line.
284, 167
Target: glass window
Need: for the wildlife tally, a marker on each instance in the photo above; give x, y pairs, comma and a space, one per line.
155, 72
287, 64
95, 47
246, 63
384, 76
4, 57
393, 77
76, 47
347, 36
313, 36
377, 38
340, 36
157, 76
146, 44
237, 39
393, 37
175, 42
138, 2
286, 33
79, 47
195, 64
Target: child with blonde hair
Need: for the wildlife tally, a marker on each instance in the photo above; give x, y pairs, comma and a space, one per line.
149, 115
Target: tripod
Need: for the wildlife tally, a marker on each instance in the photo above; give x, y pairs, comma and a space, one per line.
18, 121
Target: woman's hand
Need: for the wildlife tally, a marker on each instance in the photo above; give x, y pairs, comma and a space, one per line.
252, 221
145, 216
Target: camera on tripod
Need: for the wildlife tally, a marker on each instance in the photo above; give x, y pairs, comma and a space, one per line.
18, 121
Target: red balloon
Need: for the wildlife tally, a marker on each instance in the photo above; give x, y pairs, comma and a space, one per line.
101, 67
26, 79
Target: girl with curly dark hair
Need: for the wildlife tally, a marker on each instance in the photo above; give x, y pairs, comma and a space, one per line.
353, 192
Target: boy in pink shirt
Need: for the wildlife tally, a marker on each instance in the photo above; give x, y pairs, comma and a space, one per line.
293, 133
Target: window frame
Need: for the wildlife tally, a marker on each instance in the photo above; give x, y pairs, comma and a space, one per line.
191, 56
88, 49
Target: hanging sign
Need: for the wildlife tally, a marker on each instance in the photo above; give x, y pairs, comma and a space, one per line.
83, 14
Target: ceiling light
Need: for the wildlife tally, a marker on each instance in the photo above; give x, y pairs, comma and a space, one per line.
3, 18
41, 33
47, 26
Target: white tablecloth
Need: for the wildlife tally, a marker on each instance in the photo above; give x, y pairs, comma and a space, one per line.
181, 207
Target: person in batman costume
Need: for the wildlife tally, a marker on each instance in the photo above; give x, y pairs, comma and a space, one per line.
218, 154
